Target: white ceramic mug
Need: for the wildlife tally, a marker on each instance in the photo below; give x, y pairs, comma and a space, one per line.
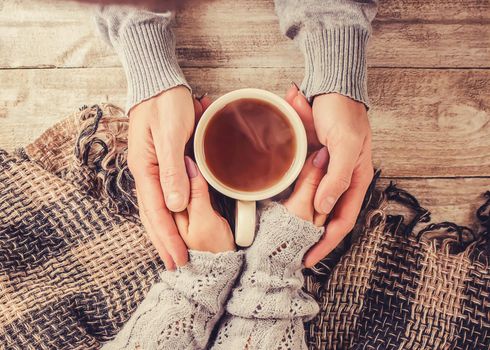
246, 200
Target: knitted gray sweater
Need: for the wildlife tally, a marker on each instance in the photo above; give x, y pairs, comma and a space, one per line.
265, 309
332, 34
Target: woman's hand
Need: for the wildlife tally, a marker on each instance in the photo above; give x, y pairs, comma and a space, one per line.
287, 231
200, 226
300, 202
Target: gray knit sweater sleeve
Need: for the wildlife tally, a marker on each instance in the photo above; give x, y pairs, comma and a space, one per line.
181, 310
145, 44
332, 34
267, 307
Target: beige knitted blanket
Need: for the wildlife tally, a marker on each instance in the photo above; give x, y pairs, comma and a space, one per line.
75, 261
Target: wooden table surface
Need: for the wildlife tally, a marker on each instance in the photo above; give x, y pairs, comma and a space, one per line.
429, 80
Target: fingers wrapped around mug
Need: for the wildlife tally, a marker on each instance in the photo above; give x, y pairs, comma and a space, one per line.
200, 226
301, 105
300, 203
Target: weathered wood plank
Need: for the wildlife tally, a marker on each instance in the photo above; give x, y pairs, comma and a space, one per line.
425, 122
429, 45
453, 200
434, 10
50, 33
32, 100
241, 34
431, 121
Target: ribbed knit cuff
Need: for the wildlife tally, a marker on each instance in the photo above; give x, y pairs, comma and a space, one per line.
147, 51
335, 61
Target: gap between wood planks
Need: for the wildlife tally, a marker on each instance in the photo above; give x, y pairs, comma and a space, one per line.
236, 34
251, 67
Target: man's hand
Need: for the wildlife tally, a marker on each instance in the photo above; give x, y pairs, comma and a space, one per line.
341, 124
159, 129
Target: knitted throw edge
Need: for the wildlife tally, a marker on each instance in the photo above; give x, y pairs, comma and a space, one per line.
75, 261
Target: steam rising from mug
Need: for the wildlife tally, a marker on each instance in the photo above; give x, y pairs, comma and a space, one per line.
249, 145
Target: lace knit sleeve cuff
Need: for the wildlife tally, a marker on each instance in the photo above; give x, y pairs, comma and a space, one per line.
284, 236
271, 281
207, 279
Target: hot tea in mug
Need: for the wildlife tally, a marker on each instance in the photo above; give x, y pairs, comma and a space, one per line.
250, 145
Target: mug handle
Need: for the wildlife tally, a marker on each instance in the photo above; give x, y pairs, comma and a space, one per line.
245, 223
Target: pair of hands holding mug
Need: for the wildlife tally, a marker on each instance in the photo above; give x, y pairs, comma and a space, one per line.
160, 127
202, 228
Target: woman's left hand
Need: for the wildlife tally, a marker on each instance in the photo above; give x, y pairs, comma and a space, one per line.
301, 201
200, 226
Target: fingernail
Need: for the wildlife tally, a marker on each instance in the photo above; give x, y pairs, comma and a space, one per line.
190, 167
321, 157
327, 205
295, 85
174, 200
202, 96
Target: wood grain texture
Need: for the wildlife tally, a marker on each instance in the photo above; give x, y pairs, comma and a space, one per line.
223, 33
31, 100
431, 123
476, 11
453, 200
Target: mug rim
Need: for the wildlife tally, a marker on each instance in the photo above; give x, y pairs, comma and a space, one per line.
298, 129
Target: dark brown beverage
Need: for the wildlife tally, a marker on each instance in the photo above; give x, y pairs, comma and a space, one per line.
249, 145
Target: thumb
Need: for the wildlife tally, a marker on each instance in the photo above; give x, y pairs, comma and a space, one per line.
198, 110
173, 179
291, 93
199, 201
200, 105
338, 178
301, 200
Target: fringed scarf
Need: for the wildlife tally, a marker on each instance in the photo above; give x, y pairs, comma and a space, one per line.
75, 261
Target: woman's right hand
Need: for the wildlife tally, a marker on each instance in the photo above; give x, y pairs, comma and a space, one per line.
200, 226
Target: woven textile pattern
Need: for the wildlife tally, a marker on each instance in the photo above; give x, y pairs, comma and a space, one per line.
397, 289
75, 261
71, 270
